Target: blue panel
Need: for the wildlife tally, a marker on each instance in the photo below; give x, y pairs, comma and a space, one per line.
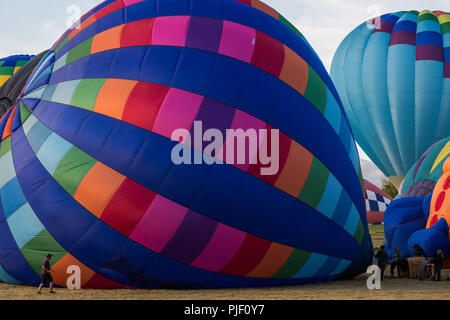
24, 225
429, 38
12, 197
11, 258
37, 136
405, 25
311, 267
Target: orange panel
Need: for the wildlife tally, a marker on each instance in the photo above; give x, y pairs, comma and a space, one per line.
60, 275
295, 71
107, 40
275, 258
265, 8
98, 187
113, 97
295, 171
86, 23
8, 127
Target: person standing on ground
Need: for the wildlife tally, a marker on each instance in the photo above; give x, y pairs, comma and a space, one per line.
438, 260
382, 258
395, 261
45, 274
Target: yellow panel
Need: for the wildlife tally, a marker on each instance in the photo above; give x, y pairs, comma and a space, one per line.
444, 152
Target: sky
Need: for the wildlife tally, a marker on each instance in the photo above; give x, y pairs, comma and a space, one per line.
32, 26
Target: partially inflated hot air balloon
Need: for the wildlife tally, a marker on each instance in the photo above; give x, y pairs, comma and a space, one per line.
16, 78
376, 203
393, 75
422, 177
9, 66
86, 167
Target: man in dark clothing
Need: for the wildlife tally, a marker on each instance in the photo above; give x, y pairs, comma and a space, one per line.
419, 251
45, 274
438, 260
395, 262
382, 258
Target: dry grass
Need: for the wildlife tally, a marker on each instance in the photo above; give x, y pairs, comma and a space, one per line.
392, 289
377, 235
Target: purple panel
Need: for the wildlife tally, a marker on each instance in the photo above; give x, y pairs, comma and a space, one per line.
420, 189
204, 33
429, 52
214, 115
419, 163
385, 27
447, 70
403, 37
191, 238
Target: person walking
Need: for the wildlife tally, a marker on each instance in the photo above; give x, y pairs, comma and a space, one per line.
46, 277
382, 258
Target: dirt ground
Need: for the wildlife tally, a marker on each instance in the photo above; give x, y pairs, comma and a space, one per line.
391, 289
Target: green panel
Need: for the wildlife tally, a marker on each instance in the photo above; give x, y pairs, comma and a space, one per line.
315, 184
295, 262
80, 51
86, 93
361, 180
62, 44
5, 146
37, 248
24, 112
21, 63
6, 71
2, 62
427, 16
359, 234
316, 90
72, 169
290, 25
445, 28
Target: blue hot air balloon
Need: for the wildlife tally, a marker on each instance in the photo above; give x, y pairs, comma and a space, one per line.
393, 75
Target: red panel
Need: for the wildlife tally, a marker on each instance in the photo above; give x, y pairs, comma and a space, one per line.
109, 9
284, 145
375, 217
98, 281
269, 54
248, 257
127, 206
143, 105
247, 2
137, 33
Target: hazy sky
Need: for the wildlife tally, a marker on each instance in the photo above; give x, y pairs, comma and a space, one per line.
31, 26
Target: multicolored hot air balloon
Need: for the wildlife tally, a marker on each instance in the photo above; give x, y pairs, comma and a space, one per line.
393, 75
85, 160
9, 66
376, 203
422, 177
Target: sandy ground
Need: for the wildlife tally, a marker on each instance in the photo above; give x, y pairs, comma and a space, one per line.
392, 289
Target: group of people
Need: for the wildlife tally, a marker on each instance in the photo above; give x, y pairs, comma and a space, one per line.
437, 260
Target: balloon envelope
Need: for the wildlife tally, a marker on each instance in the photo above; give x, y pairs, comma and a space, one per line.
393, 76
86, 159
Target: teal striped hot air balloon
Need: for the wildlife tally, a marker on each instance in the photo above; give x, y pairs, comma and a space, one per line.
393, 75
